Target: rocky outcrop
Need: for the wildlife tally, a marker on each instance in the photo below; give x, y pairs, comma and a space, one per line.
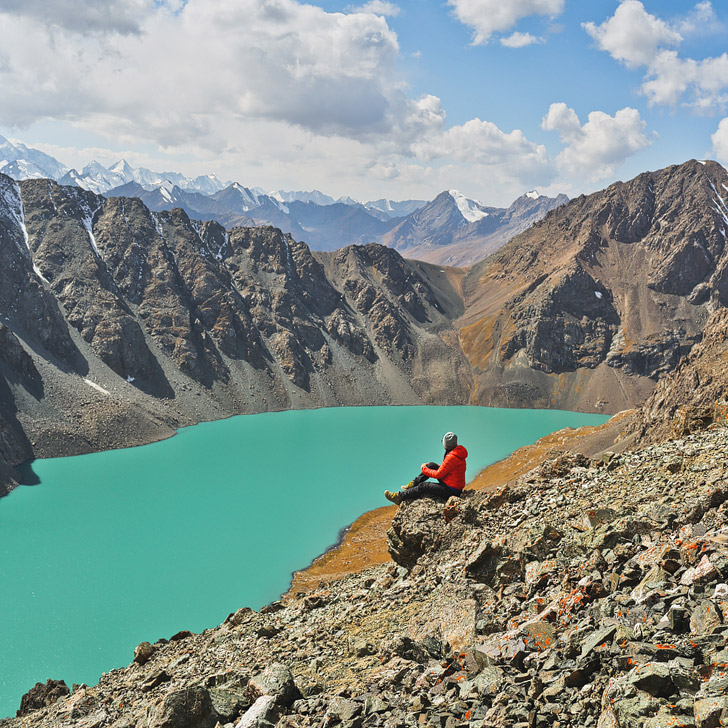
42, 696
16, 371
586, 593
590, 306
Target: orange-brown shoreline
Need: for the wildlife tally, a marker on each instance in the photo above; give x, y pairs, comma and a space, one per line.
365, 543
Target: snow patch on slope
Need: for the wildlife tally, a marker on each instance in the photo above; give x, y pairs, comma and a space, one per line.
13, 203
469, 209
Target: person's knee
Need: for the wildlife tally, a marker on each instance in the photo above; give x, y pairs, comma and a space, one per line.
433, 466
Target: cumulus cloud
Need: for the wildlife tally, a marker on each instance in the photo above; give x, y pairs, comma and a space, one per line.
520, 40
632, 35
278, 59
482, 143
487, 17
116, 16
720, 142
670, 77
701, 20
597, 148
640, 39
263, 91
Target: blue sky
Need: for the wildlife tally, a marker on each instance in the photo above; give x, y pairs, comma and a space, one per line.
383, 99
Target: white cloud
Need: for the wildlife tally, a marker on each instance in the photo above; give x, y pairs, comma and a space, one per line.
278, 59
640, 39
114, 16
701, 20
377, 7
564, 120
670, 77
520, 40
511, 155
597, 148
268, 92
632, 35
487, 17
720, 142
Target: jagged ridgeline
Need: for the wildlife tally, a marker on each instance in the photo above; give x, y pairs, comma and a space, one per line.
120, 324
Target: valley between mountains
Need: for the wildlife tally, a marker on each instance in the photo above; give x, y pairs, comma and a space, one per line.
120, 324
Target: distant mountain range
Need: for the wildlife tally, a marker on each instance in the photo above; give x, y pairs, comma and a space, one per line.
450, 230
454, 230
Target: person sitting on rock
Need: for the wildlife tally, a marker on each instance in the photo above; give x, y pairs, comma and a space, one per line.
450, 475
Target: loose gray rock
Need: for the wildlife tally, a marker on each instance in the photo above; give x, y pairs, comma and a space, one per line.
262, 714
276, 681
187, 708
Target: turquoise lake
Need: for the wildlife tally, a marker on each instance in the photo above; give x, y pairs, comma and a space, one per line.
115, 548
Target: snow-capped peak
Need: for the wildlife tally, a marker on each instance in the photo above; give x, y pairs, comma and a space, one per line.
533, 194
123, 168
469, 209
250, 199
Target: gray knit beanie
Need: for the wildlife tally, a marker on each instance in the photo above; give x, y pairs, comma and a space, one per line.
450, 440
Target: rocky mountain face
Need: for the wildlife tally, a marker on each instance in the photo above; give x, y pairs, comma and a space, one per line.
587, 593
601, 297
454, 230
695, 395
120, 323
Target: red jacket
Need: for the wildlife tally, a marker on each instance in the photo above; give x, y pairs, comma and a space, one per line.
452, 469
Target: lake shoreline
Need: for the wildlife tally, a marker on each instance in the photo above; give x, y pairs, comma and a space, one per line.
362, 544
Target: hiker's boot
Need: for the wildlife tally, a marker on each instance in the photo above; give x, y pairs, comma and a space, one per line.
394, 497
409, 485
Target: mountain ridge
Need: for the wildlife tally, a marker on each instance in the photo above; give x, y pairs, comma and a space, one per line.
453, 230
155, 320
601, 283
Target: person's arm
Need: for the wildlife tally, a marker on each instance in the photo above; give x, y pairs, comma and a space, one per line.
442, 471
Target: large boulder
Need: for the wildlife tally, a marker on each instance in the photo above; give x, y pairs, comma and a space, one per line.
417, 529
276, 680
187, 708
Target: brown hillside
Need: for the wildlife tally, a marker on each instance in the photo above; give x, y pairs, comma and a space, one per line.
590, 306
